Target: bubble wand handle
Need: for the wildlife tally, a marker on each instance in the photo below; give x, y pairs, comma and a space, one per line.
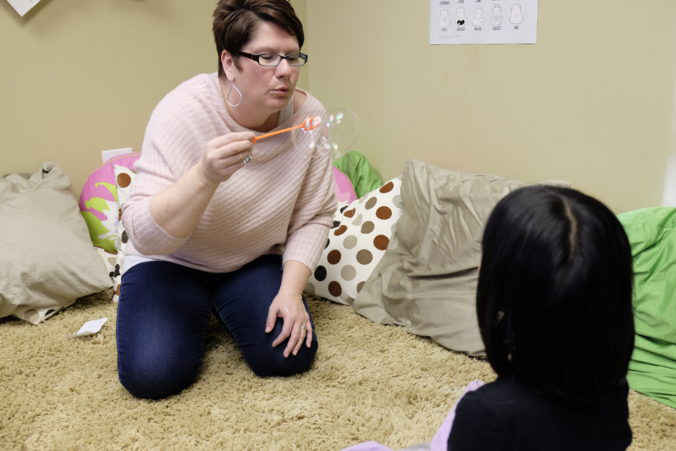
309, 123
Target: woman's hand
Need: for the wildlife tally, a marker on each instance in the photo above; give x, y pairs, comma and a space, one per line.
224, 155
296, 326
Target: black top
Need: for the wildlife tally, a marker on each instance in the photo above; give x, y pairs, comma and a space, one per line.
505, 415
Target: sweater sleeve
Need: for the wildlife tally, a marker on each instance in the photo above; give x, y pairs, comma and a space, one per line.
169, 141
313, 213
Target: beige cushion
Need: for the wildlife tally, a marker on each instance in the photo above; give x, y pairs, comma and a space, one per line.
47, 259
426, 281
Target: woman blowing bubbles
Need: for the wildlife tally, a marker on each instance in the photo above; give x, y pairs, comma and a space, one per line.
218, 224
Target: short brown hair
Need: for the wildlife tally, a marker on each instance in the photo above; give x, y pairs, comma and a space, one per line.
235, 21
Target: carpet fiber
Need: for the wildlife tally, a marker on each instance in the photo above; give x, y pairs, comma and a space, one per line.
369, 382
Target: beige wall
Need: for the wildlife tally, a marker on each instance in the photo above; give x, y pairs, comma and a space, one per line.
591, 102
82, 76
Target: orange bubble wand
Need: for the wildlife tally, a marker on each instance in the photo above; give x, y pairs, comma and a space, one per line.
310, 123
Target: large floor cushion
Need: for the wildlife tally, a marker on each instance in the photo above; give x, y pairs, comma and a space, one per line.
652, 234
47, 259
426, 281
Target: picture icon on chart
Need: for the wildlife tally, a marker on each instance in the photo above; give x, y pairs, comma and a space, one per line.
516, 16
460, 17
478, 18
444, 19
497, 17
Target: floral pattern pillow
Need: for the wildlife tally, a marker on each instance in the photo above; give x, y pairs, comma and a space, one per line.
99, 204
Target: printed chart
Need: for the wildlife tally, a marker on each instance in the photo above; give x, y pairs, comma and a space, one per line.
483, 21
23, 6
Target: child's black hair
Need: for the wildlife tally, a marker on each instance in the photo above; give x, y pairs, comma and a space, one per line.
554, 294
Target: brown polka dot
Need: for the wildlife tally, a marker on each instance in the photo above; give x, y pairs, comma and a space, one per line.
386, 188
327, 243
367, 227
335, 289
370, 203
119, 214
340, 230
333, 257
124, 238
364, 257
360, 285
381, 242
384, 213
123, 180
349, 213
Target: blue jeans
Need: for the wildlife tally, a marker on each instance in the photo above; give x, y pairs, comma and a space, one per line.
163, 314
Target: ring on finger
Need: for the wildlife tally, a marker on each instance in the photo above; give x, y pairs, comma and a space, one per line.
247, 159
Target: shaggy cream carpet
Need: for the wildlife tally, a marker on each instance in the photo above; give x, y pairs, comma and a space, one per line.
370, 382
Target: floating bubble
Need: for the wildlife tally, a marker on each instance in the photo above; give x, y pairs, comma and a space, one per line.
335, 131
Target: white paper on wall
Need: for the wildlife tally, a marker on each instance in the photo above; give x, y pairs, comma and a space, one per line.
483, 21
23, 6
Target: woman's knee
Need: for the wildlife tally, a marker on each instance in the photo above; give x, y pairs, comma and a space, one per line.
159, 329
267, 361
156, 378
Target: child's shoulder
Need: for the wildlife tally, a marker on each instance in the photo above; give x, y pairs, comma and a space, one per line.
502, 390
503, 398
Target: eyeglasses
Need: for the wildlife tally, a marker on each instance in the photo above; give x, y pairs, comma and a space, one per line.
273, 59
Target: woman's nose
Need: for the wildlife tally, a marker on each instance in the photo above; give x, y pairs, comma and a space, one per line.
283, 68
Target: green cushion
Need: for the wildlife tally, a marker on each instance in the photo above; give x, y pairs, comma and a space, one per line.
652, 234
363, 176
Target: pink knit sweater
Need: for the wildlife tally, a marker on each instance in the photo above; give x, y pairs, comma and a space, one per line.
281, 202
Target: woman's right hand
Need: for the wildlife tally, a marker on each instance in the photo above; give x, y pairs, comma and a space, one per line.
224, 155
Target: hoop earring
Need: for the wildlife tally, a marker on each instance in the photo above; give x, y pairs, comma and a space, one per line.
227, 97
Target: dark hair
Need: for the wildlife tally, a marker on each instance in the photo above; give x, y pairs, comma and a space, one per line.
236, 20
554, 294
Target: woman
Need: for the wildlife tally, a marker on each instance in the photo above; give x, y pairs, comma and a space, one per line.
555, 314
218, 224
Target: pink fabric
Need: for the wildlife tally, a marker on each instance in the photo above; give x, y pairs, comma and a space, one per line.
440, 440
344, 189
281, 202
368, 446
95, 186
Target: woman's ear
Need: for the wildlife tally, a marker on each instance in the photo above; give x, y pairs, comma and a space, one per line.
228, 65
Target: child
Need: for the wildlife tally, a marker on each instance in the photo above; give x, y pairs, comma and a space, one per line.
555, 313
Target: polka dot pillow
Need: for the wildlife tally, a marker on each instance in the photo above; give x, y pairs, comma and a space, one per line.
357, 241
124, 179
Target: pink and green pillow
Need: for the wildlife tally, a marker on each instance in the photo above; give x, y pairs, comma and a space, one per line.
99, 202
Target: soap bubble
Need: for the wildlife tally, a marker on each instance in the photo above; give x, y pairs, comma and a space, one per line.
336, 132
